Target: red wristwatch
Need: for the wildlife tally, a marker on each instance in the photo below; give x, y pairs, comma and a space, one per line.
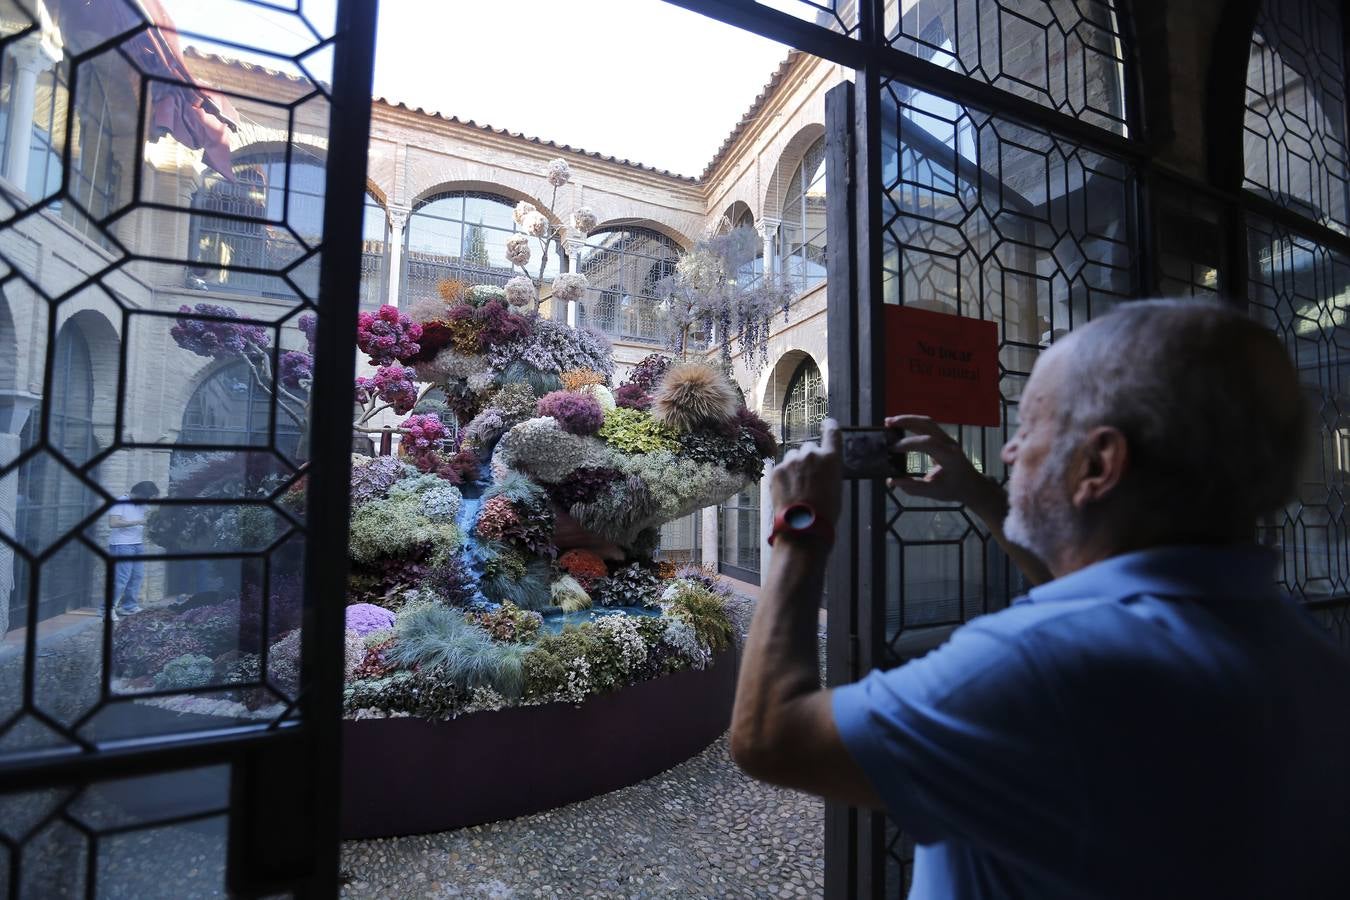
800, 519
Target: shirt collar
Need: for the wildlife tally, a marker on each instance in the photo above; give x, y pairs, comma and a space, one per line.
1234, 570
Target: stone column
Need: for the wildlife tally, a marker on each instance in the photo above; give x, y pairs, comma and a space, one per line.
768, 232
398, 218
14, 409
765, 521
711, 548
574, 248
33, 55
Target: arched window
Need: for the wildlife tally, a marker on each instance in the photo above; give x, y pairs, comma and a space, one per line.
267, 208
801, 234
50, 500
229, 407
804, 405
374, 255
752, 271
462, 236
1295, 154
625, 268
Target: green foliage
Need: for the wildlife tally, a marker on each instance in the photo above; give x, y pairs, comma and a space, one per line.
517, 402
617, 510
431, 637
630, 586
705, 611
635, 431
557, 666
396, 527
519, 490
426, 695
186, 671
508, 624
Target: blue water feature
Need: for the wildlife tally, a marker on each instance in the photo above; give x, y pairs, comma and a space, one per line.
555, 622
471, 552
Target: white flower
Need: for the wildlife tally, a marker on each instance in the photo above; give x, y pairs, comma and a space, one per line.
558, 172
535, 224
600, 394
520, 291
523, 209
585, 219
570, 286
518, 249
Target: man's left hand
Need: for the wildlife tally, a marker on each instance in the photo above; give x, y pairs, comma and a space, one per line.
811, 474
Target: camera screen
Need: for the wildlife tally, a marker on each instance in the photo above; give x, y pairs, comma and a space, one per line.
866, 453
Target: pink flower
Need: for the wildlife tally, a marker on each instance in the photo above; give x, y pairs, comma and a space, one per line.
387, 335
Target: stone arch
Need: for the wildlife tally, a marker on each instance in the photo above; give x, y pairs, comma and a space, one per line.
685, 242
735, 211
771, 389
94, 321
789, 158
504, 191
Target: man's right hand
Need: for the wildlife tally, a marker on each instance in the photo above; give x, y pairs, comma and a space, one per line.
954, 478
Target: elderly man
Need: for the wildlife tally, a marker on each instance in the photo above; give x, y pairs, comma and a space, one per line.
1157, 720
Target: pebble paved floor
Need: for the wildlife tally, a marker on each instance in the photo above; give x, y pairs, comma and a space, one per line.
701, 829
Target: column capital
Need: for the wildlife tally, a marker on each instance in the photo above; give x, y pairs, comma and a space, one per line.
40, 49
398, 216
768, 228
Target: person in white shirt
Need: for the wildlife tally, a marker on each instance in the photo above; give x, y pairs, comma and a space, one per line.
126, 539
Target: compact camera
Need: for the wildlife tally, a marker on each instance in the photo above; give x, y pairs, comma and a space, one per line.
868, 453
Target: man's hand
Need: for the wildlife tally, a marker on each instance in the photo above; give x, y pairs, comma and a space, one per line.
954, 478
811, 475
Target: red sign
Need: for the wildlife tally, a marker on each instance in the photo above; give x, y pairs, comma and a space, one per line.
941, 366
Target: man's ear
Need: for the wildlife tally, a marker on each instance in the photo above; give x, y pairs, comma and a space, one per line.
1105, 460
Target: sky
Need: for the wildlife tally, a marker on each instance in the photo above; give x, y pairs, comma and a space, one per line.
636, 79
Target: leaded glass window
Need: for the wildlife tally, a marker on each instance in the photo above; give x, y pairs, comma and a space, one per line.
801, 233
626, 268
804, 407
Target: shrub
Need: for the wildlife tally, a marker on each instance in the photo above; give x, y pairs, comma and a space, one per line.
583, 485
541, 448
630, 586
576, 379
703, 610
649, 371
540, 382
283, 664
508, 623
434, 637
363, 618
634, 431
766, 445
632, 396
397, 528
374, 476
574, 413
528, 590
186, 671
583, 565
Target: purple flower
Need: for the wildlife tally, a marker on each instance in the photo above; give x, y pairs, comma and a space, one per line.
387, 335
310, 326
394, 385
215, 339
363, 618
297, 369
575, 413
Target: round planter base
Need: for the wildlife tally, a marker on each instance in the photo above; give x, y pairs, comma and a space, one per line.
411, 776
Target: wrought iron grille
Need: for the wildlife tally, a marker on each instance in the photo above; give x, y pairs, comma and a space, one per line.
1067, 55
987, 218
100, 795
1294, 137
682, 540
804, 405
625, 268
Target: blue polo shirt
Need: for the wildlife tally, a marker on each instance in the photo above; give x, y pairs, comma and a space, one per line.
1160, 724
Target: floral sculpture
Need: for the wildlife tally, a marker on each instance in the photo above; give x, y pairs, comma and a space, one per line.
529, 497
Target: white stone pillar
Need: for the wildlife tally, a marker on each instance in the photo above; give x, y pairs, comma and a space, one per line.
765, 521
398, 218
768, 232
33, 55
14, 409
710, 547
574, 249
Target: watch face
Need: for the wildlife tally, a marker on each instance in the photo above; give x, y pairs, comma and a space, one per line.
799, 518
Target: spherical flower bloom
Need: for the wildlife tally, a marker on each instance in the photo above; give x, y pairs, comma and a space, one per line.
518, 250
363, 618
523, 209
297, 369
585, 219
422, 434
394, 385
218, 339
387, 335
570, 286
520, 291
535, 224
602, 395
558, 172
575, 413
